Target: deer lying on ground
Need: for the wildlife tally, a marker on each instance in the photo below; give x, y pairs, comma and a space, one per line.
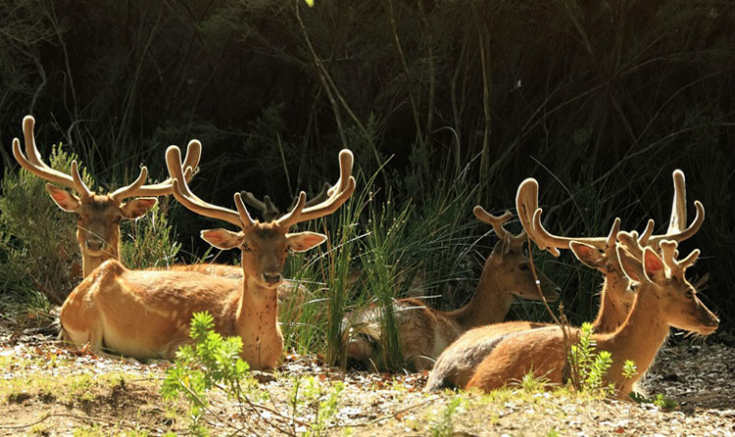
99, 215
425, 332
455, 365
146, 314
663, 298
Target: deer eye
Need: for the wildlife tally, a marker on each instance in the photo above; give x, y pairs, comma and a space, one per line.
245, 248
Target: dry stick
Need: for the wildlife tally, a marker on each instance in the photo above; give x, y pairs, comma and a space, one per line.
561, 323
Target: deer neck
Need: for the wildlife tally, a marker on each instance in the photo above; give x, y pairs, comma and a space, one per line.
612, 312
111, 251
257, 325
489, 304
638, 339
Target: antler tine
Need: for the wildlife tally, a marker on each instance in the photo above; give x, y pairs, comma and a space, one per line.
527, 203
137, 189
613, 234
346, 161
646, 234
253, 201
496, 221
245, 217
131, 189
668, 249
678, 218
321, 196
338, 195
32, 161
184, 195
684, 234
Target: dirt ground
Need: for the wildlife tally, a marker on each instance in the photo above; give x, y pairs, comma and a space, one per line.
49, 389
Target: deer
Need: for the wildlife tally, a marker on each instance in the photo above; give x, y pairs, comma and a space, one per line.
98, 215
455, 365
424, 331
146, 313
663, 299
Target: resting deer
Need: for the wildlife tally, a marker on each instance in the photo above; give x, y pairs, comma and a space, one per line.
663, 298
98, 215
146, 314
425, 332
455, 365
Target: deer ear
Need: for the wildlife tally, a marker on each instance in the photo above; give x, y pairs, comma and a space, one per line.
588, 255
652, 264
137, 207
63, 199
303, 241
630, 266
221, 238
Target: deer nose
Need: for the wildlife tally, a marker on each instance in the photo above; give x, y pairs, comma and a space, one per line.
272, 278
94, 243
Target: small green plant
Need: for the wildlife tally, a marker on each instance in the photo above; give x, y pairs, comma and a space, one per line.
658, 400
308, 392
443, 426
629, 369
531, 383
588, 365
212, 361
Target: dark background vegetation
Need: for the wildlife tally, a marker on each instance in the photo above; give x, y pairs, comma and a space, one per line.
599, 100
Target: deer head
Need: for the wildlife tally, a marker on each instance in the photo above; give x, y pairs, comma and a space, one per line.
98, 215
665, 275
265, 245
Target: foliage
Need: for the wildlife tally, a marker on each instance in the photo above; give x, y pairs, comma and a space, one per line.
588, 365
448, 88
213, 363
443, 426
39, 255
148, 241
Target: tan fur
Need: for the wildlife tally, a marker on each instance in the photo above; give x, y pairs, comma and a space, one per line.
146, 313
425, 332
662, 300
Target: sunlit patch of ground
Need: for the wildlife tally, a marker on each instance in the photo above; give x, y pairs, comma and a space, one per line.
48, 389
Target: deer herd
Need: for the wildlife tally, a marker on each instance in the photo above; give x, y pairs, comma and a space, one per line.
146, 313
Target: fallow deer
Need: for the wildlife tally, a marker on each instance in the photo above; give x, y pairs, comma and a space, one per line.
146, 314
663, 298
424, 332
455, 365
98, 215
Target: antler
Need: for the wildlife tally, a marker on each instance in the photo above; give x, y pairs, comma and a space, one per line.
32, 162
527, 201
137, 189
678, 218
269, 211
337, 195
530, 216
186, 197
668, 250
493, 220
